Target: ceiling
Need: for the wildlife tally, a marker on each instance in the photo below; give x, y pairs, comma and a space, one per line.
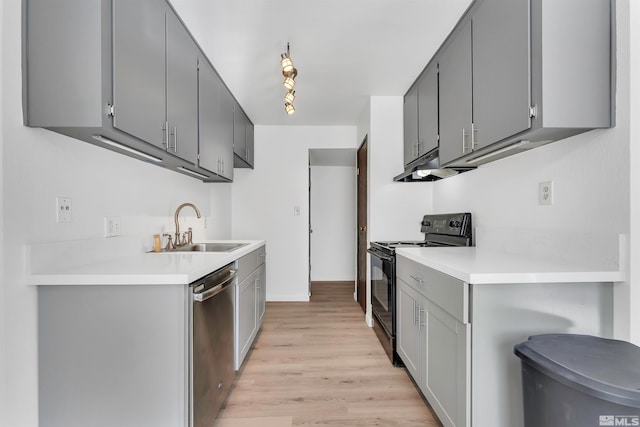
344, 50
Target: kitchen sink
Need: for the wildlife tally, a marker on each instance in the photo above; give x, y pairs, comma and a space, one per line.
209, 247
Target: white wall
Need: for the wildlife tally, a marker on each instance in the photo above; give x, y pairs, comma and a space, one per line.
264, 201
333, 220
395, 208
591, 183
37, 166
631, 8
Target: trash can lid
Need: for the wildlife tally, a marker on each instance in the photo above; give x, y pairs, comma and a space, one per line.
604, 368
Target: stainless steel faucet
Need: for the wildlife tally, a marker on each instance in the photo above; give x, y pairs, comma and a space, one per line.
177, 242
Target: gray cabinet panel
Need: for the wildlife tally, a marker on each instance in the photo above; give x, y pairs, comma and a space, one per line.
410, 342
242, 138
226, 129
428, 110
455, 97
501, 70
139, 69
215, 120
182, 91
411, 125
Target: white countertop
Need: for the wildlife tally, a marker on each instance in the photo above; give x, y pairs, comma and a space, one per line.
482, 266
162, 268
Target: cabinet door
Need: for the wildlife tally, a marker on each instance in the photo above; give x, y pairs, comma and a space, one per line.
455, 97
246, 325
215, 119
409, 343
428, 110
249, 141
446, 372
226, 157
139, 69
411, 125
501, 70
261, 290
239, 132
182, 91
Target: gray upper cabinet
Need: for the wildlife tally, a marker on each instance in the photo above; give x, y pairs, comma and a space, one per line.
216, 121
456, 135
428, 110
182, 91
501, 70
421, 115
139, 69
242, 139
123, 75
541, 72
411, 125
514, 75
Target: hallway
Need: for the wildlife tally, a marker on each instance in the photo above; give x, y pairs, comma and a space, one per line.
317, 364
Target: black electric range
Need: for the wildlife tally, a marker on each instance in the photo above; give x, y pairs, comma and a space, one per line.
444, 230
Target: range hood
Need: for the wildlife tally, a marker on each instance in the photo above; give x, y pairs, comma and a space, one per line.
427, 168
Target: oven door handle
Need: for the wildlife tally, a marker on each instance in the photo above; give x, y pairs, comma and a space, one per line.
381, 256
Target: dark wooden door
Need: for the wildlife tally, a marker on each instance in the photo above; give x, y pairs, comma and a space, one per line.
362, 225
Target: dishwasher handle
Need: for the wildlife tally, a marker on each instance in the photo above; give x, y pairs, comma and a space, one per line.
209, 293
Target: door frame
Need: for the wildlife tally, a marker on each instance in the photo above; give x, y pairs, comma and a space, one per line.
361, 225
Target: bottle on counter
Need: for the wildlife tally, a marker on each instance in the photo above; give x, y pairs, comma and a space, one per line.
157, 244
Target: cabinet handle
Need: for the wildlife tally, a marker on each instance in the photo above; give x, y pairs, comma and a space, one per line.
464, 146
417, 278
175, 139
474, 143
415, 313
165, 137
421, 317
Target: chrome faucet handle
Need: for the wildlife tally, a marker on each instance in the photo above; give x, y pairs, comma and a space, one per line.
169, 242
184, 238
190, 236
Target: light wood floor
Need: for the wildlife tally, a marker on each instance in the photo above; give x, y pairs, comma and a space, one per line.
318, 364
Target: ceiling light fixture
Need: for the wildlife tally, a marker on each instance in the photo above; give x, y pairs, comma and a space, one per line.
290, 96
289, 108
290, 73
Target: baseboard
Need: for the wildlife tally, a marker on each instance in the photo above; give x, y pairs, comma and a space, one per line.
333, 282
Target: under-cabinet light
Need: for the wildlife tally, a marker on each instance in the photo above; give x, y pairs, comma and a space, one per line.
125, 148
499, 151
194, 173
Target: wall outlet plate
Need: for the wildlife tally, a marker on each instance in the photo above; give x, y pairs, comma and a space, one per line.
112, 226
545, 193
63, 209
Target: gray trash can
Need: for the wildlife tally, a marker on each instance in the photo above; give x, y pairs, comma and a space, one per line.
579, 381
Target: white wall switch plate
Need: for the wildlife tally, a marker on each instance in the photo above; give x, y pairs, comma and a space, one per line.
545, 193
112, 226
63, 209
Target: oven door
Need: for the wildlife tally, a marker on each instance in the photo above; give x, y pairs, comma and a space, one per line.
383, 276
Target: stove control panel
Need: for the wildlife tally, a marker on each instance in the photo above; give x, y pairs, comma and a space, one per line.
449, 224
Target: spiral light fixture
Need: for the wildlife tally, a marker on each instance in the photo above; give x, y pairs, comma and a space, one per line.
290, 73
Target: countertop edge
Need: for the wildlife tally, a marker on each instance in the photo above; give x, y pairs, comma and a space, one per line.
199, 265
467, 268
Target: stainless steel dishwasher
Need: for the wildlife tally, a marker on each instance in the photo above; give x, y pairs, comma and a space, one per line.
211, 356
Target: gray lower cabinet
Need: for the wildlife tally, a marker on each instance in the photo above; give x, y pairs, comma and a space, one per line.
439, 317
242, 139
250, 302
433, 343
216, 122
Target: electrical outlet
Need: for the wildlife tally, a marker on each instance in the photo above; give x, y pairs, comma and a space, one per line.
545, 193
63, 209
111, 226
